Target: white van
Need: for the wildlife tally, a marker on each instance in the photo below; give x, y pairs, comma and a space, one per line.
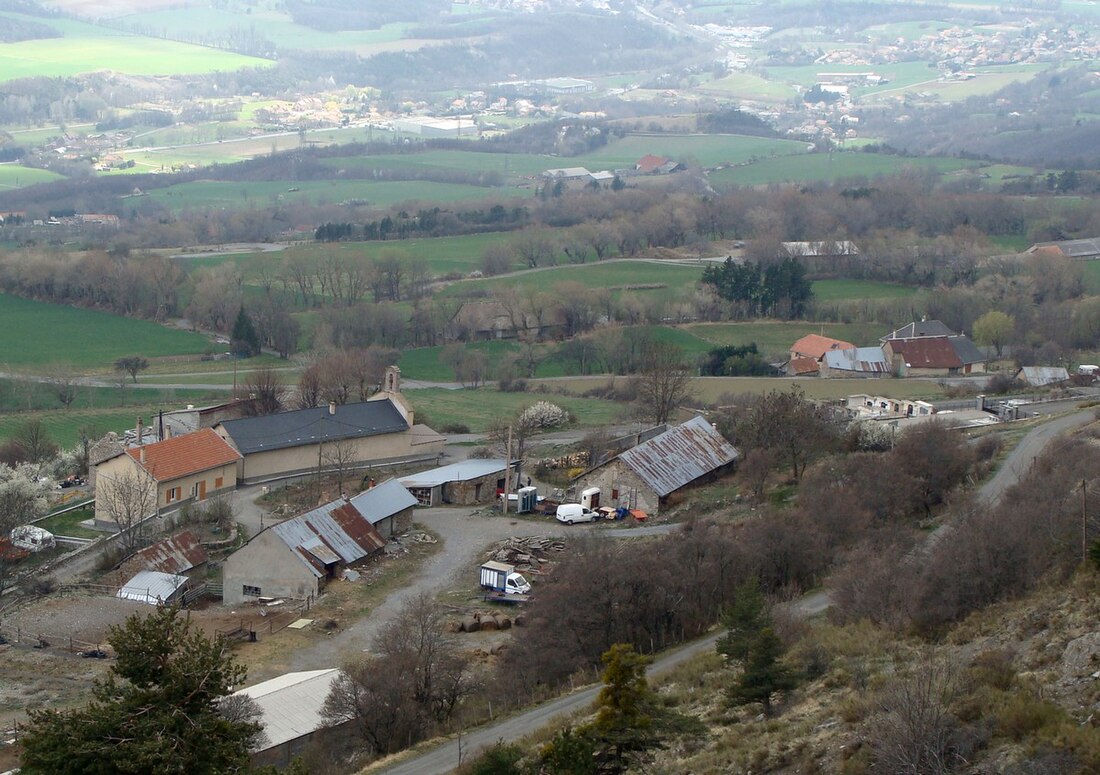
575, 512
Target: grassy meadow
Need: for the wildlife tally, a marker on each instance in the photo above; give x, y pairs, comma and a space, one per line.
828, 167
478, 409
18, 176
38, 334
82, 48
705, 150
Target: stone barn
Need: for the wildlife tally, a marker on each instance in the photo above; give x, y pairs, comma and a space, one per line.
468, 483
655, 473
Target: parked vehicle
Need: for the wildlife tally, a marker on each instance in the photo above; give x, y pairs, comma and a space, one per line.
570, 513
31, 538
503, 579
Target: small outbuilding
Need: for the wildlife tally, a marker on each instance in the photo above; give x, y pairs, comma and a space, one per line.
1043, 376
180, 555
463, 484
290, 713
655, 473
388, 507
154, 588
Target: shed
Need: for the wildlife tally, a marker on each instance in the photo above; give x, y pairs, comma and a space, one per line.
855, 362
180, 555
1043, 376
290, 713
653, 474
467, 483
388, 507
154, 588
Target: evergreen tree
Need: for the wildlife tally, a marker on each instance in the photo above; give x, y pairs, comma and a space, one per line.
743, 621
157, 710
764, 674
245, 340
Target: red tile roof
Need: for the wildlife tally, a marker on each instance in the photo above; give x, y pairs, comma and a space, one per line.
649, 163
803, 365
184, 455
815, 346
932, 352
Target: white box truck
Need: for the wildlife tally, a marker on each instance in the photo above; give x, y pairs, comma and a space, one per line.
503, 579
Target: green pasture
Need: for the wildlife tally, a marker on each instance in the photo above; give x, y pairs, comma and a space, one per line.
720, 389
243, 195
84, 48
1091, 271
18, 176
37, 334
68, 524
840, 290
835, 166
774, 338
64, 427
478, 409
617, 275
901, 75
33, 395
987, 81
706, 150
748, 86
462, 161
273, 25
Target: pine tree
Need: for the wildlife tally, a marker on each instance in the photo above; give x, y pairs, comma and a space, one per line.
157, 710
764, 674
245, 339
743, 621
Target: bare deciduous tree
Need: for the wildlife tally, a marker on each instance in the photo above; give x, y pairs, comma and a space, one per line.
663, 383
264, 393
126, 499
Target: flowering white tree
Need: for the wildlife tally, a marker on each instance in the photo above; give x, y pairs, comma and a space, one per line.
543, 414
22, 499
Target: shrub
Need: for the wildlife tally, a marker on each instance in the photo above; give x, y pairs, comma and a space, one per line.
454, 427
511, 385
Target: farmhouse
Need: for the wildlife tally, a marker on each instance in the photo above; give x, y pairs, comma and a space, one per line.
655, 473
1083, 249
465, 484
379, 431
815, 346
192, 418
922, 330
656, 165
172, 472
298, 557
934, 356
290, 713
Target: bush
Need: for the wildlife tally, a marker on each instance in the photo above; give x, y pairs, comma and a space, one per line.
543, 414
511, 385
1001, 383
454, 427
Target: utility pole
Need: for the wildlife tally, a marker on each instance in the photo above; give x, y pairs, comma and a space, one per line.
508, 470
1084, 522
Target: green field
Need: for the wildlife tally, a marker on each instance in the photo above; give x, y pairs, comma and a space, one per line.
462, 161
32, 395
64, 427
229, 194
774, 338
750, 87
618, 275
477, 409
37, 334
68, 524
1091, 270
85, 47
828, 166
706, 150
17, 176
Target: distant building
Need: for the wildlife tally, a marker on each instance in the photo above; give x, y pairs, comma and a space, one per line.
154, 588
437, 128
1083, 249
1043, 376
855, 362
656, 472
467, 483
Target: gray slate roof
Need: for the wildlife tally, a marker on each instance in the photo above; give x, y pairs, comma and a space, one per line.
679, 456
916, 330
967, 351
291, 704
383, 501
310, 426
1072, 248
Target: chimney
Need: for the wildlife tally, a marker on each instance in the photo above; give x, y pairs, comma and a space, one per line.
138, 429
332, 407
141, 456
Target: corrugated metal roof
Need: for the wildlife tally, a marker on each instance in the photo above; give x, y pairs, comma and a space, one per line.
291, 704
383, 501
679, 455
177, 554
455, 472
337, 525
152, 587
310, 426
1041, 376
1073, 248
868, 360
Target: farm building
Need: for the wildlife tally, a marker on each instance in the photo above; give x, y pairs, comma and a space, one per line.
173, 472
378, 431
477, 321
934, 356
1083, 249
815, 346
297, 557
388, 507
855, 362
154, 588
432, 127
179, 555
464, 484
192, 418
654, 473
1042, 376
919, 330
290, 712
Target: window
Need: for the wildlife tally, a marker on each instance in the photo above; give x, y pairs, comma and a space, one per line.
252, 591
614, 493
172, 495
219, 483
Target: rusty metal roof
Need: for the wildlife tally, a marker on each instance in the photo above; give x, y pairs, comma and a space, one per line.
177, 554
338, 526
679, 455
